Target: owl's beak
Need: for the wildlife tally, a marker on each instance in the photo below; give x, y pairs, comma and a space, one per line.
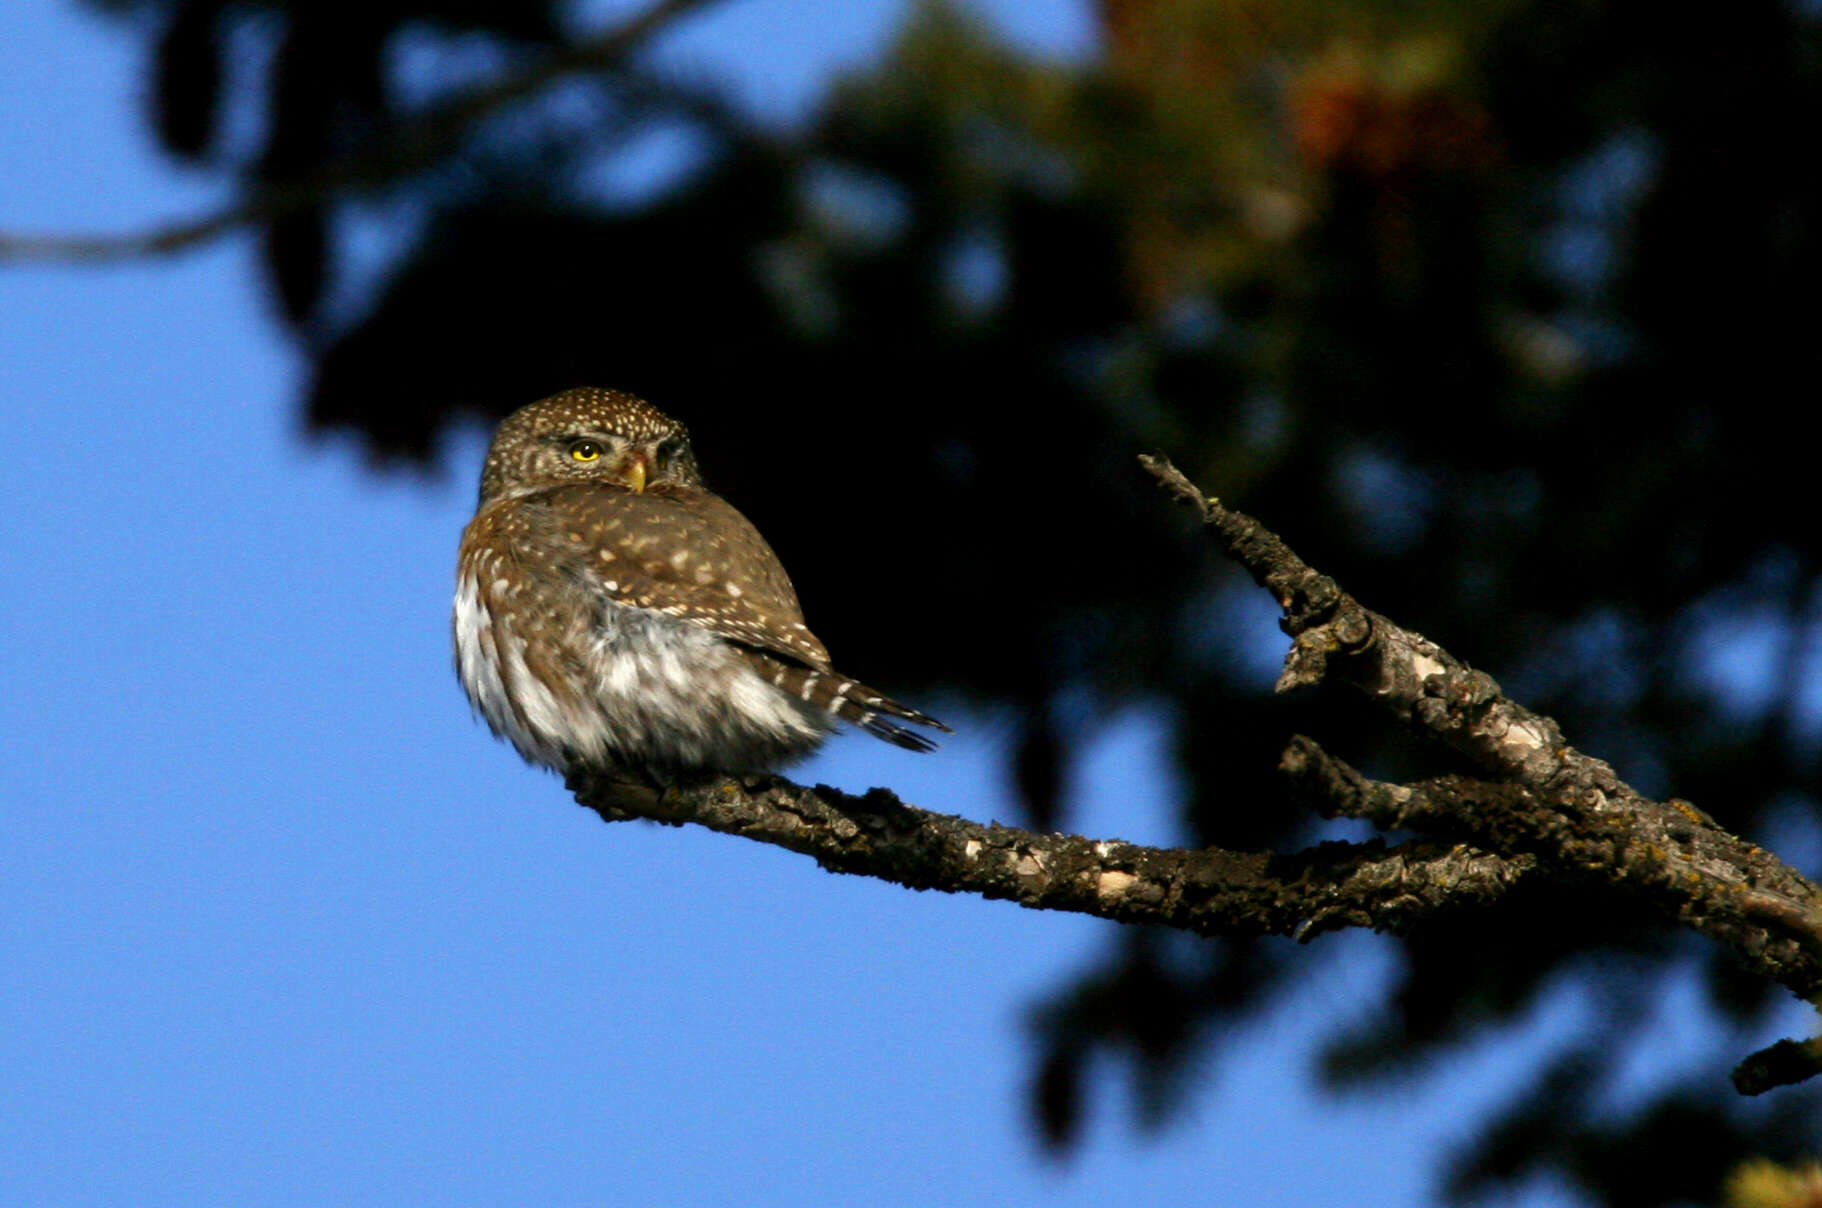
635, 472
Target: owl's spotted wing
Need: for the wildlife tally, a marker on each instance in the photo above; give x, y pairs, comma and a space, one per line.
684, 552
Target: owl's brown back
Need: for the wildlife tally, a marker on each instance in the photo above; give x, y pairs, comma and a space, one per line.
681, 551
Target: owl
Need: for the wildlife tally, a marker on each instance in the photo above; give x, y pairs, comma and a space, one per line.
614, 616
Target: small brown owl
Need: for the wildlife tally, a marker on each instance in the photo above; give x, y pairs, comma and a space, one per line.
614, 616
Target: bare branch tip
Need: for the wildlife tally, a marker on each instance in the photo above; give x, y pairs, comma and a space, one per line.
1177, 483
1783, 1064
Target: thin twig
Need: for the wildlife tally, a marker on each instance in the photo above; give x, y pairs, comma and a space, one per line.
396, 153
1695, 873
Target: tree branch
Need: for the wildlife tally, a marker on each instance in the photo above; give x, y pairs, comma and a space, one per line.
1209, 891
1693, 872
397, 152
1551, 801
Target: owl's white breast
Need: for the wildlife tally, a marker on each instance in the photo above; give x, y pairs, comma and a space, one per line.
647, 692
488, 658
676, 695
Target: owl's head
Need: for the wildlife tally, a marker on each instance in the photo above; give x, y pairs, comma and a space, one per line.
587, 435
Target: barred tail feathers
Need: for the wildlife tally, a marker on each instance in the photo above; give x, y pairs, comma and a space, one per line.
851, 701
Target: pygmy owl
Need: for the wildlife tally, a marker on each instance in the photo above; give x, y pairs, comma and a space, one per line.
614, 616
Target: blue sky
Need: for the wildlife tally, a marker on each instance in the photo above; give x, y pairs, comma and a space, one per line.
280, 924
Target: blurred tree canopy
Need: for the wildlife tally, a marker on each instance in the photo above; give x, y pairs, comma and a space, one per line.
1502, 312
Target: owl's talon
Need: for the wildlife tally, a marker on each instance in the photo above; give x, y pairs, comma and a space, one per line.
614, 799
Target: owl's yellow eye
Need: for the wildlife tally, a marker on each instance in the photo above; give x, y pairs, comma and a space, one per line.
585, 450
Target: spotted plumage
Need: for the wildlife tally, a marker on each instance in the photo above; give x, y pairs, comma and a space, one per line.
613, 615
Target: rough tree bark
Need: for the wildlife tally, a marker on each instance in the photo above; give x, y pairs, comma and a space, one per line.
1545, 809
